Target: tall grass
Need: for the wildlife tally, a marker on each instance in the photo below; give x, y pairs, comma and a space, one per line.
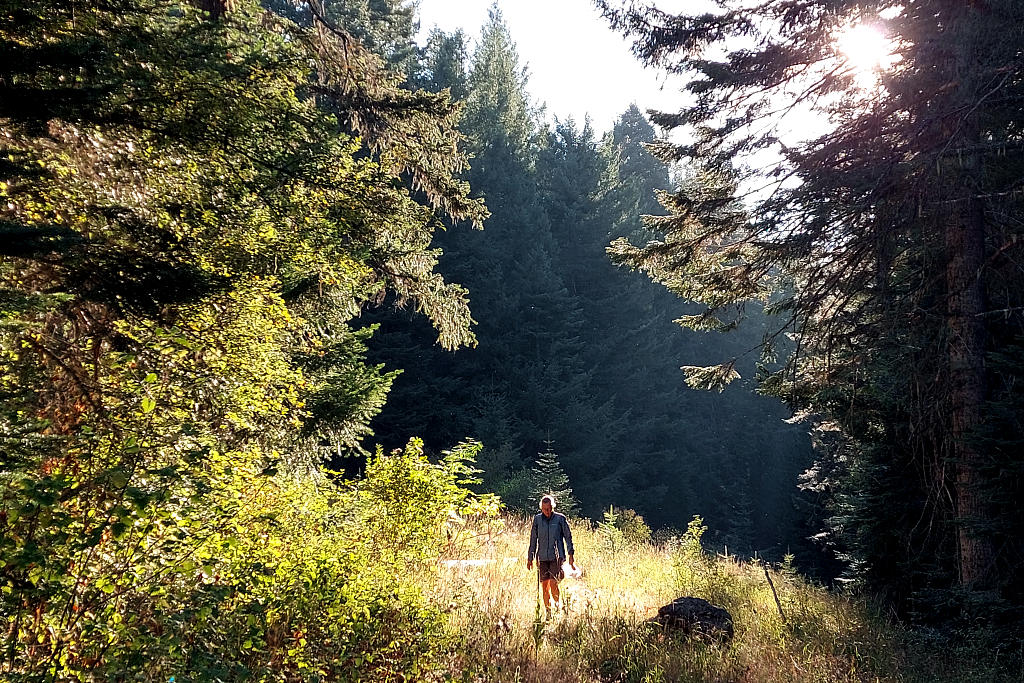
603, 633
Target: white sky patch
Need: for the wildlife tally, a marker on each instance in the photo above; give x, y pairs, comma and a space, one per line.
577, 65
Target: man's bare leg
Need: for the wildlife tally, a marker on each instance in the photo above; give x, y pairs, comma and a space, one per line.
546, 589
555, 595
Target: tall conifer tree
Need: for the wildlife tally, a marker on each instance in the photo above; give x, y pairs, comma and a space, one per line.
896, 243
548, 478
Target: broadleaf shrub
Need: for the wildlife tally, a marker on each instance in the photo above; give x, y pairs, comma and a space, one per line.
254, 578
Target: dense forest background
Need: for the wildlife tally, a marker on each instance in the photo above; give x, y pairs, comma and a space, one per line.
574, 355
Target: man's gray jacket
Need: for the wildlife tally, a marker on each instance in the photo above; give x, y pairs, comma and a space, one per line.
548, 537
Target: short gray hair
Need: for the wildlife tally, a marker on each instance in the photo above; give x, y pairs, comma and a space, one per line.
549, 498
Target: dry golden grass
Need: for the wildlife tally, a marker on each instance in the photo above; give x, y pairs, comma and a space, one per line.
601, 634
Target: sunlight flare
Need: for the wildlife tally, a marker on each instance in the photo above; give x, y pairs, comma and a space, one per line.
867, 50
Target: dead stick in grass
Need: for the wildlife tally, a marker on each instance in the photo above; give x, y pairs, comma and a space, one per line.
774, 593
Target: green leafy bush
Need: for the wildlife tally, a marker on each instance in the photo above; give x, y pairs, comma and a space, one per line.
254, 577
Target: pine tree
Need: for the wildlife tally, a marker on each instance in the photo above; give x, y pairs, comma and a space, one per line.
888, 250
386, 28
548, 478
444, 64
739, 535
528, 320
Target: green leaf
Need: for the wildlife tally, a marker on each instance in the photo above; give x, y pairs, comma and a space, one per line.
148, 405
118, 478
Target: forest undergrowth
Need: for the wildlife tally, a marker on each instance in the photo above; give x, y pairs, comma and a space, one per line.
407, 575
603, 631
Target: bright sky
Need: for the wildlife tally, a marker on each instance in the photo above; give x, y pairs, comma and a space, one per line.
577, 64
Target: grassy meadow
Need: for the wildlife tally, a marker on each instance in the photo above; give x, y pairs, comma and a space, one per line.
601, 633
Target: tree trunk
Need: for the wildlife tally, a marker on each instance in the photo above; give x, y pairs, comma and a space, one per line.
216, 8
965, 247
965, 243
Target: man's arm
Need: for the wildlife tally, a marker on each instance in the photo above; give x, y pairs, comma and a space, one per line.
568, 541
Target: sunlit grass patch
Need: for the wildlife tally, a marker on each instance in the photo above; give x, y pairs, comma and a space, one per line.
603, 632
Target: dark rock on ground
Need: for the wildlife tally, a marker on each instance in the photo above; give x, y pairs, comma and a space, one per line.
696, 617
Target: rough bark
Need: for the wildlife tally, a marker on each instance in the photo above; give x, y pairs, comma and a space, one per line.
965, 246
965, 242
216, 8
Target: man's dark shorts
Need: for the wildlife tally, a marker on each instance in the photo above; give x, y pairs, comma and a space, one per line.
550, 570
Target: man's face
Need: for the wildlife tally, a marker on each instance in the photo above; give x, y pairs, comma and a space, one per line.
545, 507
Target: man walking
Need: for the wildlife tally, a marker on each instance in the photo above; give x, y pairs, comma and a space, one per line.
548, 538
